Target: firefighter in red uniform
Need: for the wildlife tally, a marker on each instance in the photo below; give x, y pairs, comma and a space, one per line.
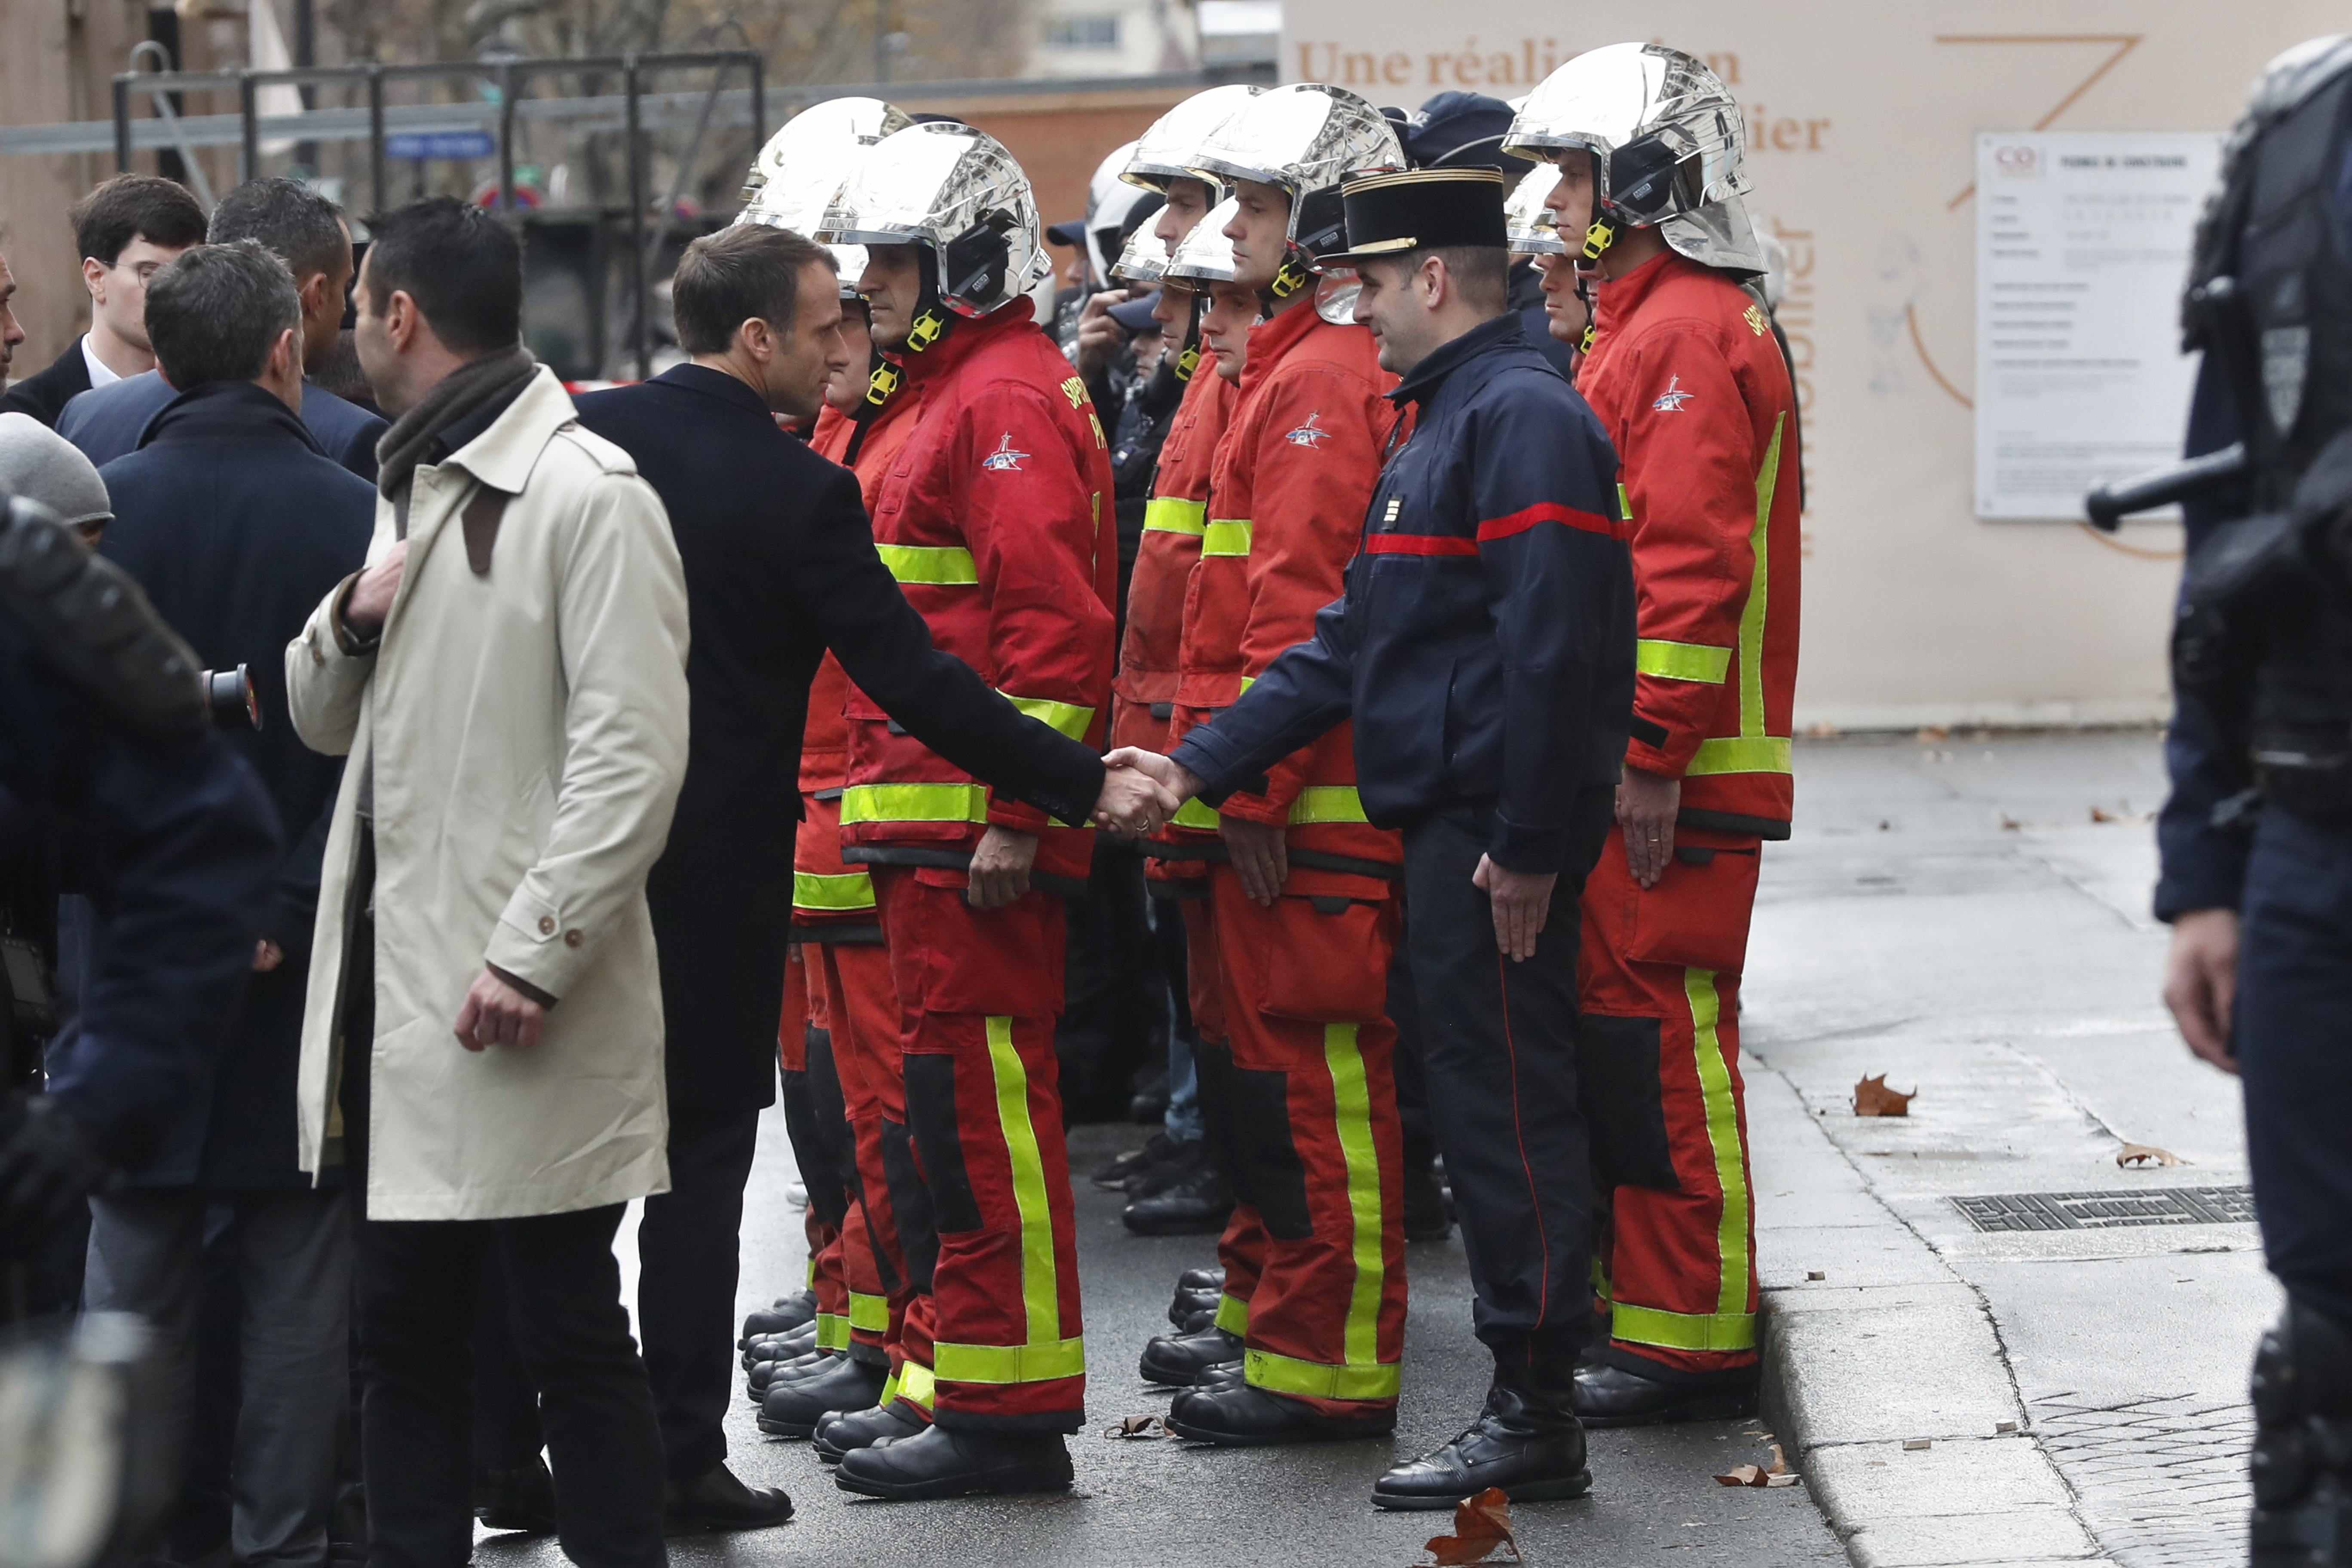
995, 518
1695, 394
1301, 915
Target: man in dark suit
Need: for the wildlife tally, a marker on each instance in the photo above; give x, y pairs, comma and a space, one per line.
779, 564
236, 525
305, 231
125, 230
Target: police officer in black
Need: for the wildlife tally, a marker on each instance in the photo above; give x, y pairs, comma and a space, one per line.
2256, 840
1484, 649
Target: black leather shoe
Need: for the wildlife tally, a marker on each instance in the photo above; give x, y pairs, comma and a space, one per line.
1238, 1416
780, 1347
1197, 1204
1536, 1456
1610, 1394
1112, 1177
1191, 1304
1212, 1278
519, 1499
843, 1430
789, 1313
718, 1501
943, 1464
1185, 1163
1150, 1102
1426, 1215
1179, 1360
793, 1409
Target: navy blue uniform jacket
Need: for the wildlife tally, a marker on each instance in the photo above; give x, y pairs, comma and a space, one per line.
1484, 645
779, 564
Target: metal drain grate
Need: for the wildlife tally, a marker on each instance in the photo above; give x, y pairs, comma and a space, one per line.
2106, 1211
2162, 1482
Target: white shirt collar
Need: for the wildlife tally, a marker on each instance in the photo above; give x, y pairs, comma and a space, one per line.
99, 373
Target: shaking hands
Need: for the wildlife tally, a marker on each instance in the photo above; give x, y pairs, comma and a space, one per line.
1141, 790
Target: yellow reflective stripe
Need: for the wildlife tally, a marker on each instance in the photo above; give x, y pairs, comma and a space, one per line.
889, 1390
1600, 1281
1327, 803
1682, 1331
1067, 717
915, 1384
1195, 814
914, 803
832, 890
1226, 536
1247, 681
1682, 660
1351, 1102
1624, 504
1167, 514
1009, 1363
1723, 1138
1745, 754
831, 1331
1232, 1315
944, 564
1751, 614
871, 1313
1040, 1296
1315, 1380
812, 1273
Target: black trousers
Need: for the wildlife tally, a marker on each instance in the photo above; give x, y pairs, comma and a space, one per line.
417, 1284
1498, 1044
688, 1246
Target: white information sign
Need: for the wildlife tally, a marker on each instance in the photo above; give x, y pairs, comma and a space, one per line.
2082, 243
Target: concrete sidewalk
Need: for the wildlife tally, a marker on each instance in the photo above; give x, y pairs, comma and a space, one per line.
1951, 915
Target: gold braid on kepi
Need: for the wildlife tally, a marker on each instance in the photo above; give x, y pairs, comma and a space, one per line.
1414, 209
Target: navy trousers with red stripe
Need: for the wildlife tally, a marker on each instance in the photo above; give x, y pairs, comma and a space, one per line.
1499, 1041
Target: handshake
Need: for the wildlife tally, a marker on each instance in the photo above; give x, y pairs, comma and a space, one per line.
1141, 790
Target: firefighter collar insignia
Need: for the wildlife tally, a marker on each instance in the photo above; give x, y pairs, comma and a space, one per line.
1309, 434
1004, 459
1757, 323
1672, 400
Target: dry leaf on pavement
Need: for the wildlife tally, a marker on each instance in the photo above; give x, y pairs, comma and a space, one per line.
1872, 1098
1136, 1426
1742, 1475
1934, 733
2146, 1154
1482, 1532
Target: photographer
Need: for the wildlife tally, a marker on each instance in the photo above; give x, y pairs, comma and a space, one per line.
2260, 973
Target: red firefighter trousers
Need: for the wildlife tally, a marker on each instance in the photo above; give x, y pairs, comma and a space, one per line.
1658, 1060
1241, 1249
855, 979
991, 1341
1307, 1094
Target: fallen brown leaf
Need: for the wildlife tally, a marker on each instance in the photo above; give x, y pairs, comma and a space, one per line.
1743, 1476
2144, 1154
1788, 1481
1136, 1426
1780, 1464
1482, 1527
1934, 733
1872, 1098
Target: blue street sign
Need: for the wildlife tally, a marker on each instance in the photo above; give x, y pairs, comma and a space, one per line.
441, 144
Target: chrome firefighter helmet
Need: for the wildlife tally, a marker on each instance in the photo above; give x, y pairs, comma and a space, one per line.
1115, 214
1302, 139
1143, 260
1667, 141
1204, 255
794, 178
958, 193
1533, 232
1169, 150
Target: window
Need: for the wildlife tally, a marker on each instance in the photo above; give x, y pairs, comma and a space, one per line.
1082, 32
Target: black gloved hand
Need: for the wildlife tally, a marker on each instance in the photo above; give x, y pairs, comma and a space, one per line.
48, 1163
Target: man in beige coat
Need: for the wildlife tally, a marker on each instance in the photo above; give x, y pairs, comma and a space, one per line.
507, 678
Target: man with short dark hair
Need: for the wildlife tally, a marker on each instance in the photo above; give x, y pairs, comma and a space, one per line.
306, 231
779, 564
235, 523
123, 230
11, 332
506, 677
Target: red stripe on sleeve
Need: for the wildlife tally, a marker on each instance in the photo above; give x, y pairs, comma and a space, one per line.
1418, 544
1548, 512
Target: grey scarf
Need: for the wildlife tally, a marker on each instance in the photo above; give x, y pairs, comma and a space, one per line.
455, 396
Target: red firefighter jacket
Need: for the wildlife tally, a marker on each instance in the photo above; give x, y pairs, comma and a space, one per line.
994, 514
1287, 489
825, 890
1173, 520
1694, 393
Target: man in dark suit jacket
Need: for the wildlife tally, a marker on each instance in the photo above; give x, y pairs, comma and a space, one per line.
236, 525
305, 231
779, 564
124, 230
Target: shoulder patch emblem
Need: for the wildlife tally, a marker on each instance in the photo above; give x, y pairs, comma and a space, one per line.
1004, 459
1672, 400
1757, 323
1309, 434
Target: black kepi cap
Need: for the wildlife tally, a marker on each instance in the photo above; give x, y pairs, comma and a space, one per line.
1390, 213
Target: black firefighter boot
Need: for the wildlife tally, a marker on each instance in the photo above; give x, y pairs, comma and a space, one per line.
2303, 1442
942, 1463
1526, 1441
1616, 1388
793, 1409
844, 1430
789, 1313
1179, 1360
1238, 1415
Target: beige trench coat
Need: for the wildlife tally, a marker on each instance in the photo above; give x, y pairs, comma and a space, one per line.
529, 732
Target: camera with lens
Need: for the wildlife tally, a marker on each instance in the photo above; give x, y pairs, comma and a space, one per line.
230, 698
